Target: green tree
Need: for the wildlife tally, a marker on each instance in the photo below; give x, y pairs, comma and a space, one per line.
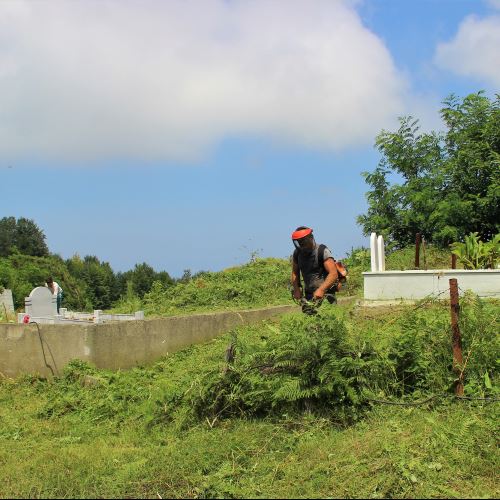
472, 169
142, 278
186, 277
100, 284
30, 239
7, 235
22, 234
445, 185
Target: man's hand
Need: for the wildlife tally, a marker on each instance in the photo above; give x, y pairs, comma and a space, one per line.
297, 295
318, 294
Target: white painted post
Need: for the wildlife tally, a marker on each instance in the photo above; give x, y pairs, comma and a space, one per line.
27, 306
373, 252
97, 316
381, 253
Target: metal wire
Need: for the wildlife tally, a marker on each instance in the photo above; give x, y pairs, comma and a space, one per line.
435, 396
399, 403
43, 350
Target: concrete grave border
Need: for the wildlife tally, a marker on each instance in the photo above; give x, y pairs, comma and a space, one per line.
416, 285
391, 286
118, 345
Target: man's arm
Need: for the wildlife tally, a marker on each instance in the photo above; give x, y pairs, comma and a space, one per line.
296, 280
332, 276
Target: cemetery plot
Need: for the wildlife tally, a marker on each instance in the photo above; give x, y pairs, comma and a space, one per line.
382, 285
41, 307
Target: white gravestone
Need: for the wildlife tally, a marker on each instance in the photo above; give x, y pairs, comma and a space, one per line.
373, 252
6, 301
381, 253
41, 303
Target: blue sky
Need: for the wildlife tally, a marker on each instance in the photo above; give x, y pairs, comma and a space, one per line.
193, 134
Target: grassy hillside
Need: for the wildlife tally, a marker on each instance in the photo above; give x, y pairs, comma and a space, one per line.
294, 415
263, 282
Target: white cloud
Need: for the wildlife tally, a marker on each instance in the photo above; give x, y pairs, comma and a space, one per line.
168, 79
494, 3
475, 50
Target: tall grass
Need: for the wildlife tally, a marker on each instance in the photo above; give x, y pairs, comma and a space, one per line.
283, 409
262, 282
159, 430
431, 257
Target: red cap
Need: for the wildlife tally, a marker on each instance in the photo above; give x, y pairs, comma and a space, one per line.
302, 233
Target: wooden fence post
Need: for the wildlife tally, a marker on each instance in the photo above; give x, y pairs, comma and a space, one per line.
453, 261
423, 253
418, 239
456, 339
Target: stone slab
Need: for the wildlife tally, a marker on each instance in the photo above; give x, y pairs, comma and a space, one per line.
7, 301
416, 285
41, 303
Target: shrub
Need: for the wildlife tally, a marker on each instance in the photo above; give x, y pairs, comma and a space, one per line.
476, 254
304, 363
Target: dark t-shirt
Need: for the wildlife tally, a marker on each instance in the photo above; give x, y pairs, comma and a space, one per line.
313, 274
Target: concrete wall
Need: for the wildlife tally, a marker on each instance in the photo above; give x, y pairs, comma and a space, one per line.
114, 345
414, 285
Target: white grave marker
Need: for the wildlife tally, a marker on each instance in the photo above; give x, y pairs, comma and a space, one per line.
41, 303
381, 253
373, 252
6, 301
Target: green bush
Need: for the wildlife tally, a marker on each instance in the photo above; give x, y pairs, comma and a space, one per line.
325, 364
431, 257
357, 262
422, 351
476, 254
304, 363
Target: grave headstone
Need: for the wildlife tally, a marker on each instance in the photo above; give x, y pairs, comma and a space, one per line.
381, 253
373, 252
6, 301
41, 303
